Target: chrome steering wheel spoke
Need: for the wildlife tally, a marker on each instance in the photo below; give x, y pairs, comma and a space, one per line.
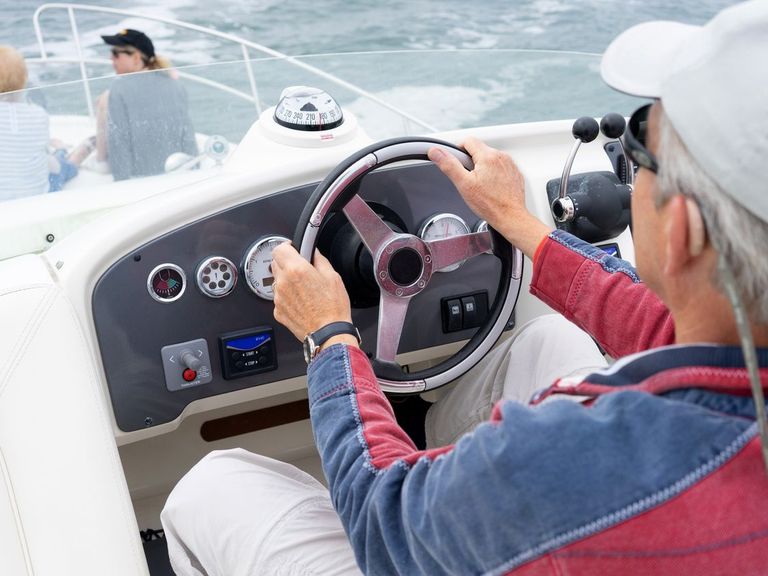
448, 251
392, 311
372, 229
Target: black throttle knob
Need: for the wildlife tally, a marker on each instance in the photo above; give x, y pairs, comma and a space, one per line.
585, 129
612, 125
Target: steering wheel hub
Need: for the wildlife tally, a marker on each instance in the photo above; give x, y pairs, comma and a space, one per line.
403, 266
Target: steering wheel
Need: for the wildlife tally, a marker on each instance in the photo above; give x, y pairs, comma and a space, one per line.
403, 263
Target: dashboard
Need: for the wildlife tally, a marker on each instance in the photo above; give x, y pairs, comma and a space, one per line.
189, 315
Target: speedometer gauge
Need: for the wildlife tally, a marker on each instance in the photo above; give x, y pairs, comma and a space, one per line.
166, 283
442, 226
257, 266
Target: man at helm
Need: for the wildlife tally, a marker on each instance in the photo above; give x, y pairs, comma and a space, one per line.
659, 471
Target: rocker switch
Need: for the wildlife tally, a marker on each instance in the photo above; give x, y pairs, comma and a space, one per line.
469, 309
452, 315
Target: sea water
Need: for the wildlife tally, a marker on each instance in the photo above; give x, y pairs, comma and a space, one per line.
483, 81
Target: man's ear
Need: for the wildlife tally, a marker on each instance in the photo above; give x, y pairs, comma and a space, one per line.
685, 236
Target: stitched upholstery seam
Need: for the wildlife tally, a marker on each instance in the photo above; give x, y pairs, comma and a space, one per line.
5, 473
630, 511
96, 390
36, 318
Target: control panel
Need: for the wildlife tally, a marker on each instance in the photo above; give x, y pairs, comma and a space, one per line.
186, 364
465, 311
207, 286
248, 352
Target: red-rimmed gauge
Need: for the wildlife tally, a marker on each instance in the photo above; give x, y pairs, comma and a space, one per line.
166, 283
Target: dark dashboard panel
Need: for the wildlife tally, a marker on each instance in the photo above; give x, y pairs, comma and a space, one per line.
133, 328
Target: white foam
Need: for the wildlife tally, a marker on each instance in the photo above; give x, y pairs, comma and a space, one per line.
445, 107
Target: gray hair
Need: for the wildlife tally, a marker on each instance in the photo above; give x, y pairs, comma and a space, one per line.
736, 233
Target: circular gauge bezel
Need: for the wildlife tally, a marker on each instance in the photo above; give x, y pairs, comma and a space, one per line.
258, 290
204, 288
431, 221
156, 270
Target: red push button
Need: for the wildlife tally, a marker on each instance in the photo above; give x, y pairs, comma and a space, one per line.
189, 375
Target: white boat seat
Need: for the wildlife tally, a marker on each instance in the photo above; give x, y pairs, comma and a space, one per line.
64, 504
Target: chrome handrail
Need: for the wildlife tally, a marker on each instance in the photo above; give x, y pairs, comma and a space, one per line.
245, 45
180, 71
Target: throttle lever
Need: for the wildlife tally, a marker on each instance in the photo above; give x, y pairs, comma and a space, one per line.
585, 129
599, 208
612, 126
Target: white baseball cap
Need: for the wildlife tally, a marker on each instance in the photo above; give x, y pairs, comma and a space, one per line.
713, 83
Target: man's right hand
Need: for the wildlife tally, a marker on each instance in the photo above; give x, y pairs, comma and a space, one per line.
495, 191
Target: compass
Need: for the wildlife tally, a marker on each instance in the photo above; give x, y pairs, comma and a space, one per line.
308, 109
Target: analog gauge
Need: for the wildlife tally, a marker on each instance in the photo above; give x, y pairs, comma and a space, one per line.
308, 109
482, 226
257, 266
442, 226
216, 276
166, 283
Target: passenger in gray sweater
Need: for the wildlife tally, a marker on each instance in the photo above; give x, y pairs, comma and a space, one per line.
147, 114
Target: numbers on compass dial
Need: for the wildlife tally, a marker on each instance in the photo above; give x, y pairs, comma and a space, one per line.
308, 109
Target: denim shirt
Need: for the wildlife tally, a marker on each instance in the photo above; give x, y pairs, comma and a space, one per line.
660, 473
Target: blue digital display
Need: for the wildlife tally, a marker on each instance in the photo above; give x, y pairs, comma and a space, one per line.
248, 342
611, 250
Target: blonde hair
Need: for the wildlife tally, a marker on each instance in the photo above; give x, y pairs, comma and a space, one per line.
156, 62
13, 70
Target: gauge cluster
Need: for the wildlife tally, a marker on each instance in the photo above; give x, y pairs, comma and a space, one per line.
143, 306
216, 276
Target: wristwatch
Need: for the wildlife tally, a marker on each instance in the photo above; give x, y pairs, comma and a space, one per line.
314, 340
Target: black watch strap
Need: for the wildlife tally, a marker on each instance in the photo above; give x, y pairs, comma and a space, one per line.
313, 341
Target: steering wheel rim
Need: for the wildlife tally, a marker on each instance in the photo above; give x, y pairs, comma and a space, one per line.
336, 192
